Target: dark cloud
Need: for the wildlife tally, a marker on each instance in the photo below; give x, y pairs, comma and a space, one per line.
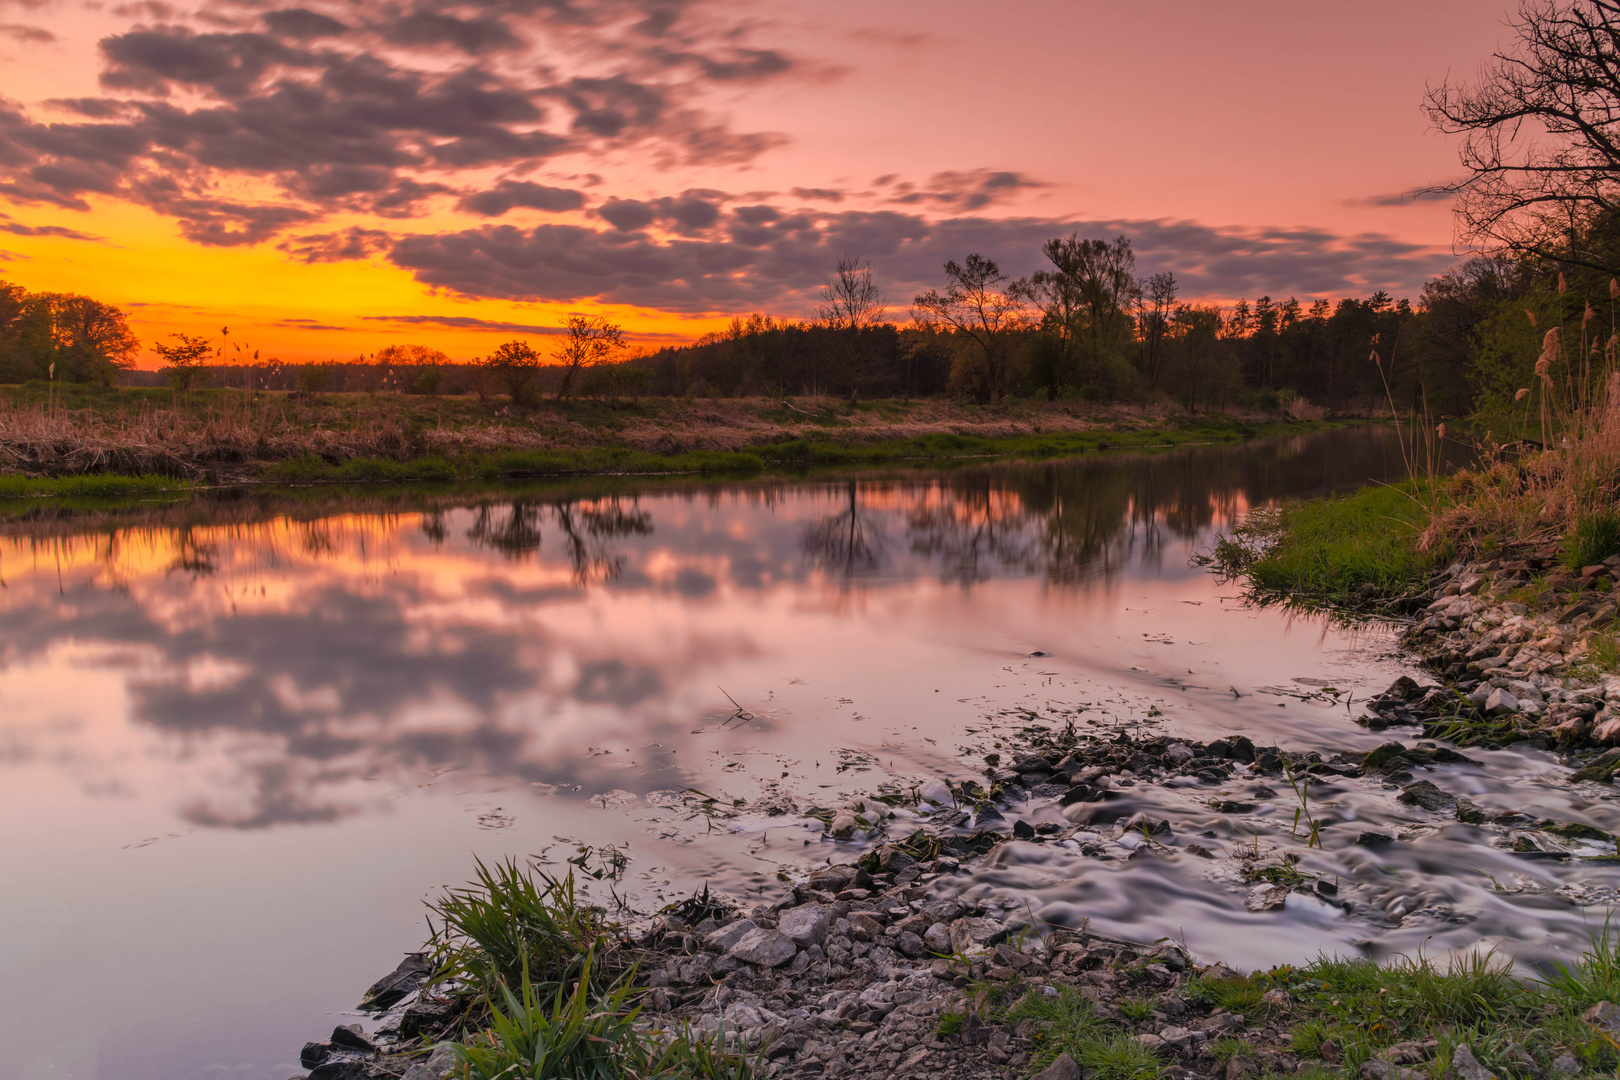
509, 194
972, 189
465, 322
690, 213
1437, 193
429, 28
353, 108
301, 24
27, 35
760, 258
351, 243
19, 229
825, 194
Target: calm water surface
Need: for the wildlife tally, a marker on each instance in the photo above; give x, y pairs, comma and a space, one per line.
238, 749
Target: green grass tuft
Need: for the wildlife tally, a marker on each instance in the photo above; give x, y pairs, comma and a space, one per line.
1595, 538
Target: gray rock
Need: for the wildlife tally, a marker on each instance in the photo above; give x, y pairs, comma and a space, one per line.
1064, 1068
1266, 897
806, 924
340, 1070
1501, 701
1178, 1038
1374, 1069
968, 934
938, 939
1469, 812
1465, 1066
724, 938
1566, 1064
767, 948
909, 944
440, 1064
1426, 795
1604, 1016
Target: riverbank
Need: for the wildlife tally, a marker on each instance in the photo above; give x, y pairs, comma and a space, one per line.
1524, 642
225, 437
894, 965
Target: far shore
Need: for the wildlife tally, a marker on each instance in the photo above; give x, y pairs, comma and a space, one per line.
92, 441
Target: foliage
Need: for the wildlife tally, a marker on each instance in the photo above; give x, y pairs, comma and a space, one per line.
585, 1035
514, 364
590, 341
1358, 547
1596, 537
184, 357
513, 925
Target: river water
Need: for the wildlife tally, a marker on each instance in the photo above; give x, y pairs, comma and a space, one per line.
242, 741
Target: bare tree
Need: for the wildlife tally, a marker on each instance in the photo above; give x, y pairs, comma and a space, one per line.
851, 304
975, 305
1541, 128
590, 341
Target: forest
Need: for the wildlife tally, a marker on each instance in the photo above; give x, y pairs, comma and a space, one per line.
1085, 328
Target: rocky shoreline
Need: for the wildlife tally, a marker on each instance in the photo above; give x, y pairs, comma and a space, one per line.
1526, 655
882, 967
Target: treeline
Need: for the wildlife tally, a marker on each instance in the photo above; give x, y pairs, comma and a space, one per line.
1089, 328
1086, 327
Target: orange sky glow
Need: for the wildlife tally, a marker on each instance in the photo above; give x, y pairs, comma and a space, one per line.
332, 178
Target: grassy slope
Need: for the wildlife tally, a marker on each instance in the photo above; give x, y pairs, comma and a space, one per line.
1345, 550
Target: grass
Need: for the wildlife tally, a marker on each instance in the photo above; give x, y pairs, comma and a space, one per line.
508, 928
89, 486
229, 435
1596, 537
585, 1035
1073, 1028
1345, 550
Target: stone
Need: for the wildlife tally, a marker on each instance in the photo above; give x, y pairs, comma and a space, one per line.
1405, 688
909, 944
937, 938
1566, 1064
1177, 1038
1604, 1016
1382, 754
1426, 795
766, 948
314, 1053
428, 1016
1500, 702
439, 1064
1469, 812
1607, 731
724, 938
1239, 1066
1063, 1068
353, 1037
1151, 1041
339, 1070
1374, 1069
392, 988
1374, 839
806, 924
1023, 830
1465, 1066
975, 934
1266, 897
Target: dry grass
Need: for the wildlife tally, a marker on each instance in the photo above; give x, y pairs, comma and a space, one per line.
1531, 494
224, 436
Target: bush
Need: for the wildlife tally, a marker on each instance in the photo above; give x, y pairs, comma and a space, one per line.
1595, 538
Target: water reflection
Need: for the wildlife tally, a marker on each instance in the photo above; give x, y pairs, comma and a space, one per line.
189, 691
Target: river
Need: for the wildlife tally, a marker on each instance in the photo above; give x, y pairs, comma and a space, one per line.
242, 740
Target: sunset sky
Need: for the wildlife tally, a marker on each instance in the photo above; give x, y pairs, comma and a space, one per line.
337, 177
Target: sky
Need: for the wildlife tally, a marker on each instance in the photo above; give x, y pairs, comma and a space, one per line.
333, 178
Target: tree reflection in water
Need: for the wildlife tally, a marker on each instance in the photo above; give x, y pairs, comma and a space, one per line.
587, 527
847, 544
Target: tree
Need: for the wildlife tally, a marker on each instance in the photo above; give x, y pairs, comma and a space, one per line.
851, 304
1541, 132
976, 306
590, 341
1156, 299
86, 340
1085, 301
184, 359
514, 365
